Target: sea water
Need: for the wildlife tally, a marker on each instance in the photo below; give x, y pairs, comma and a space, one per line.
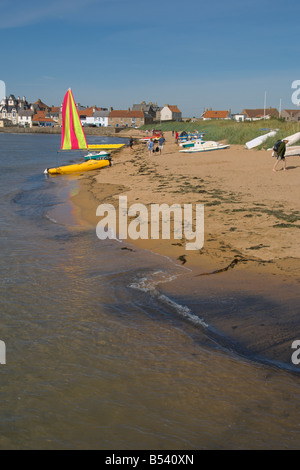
97, 356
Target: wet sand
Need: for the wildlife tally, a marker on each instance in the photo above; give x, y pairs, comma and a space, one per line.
245, 279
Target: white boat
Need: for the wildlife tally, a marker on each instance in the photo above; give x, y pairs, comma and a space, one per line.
97, 155
205, 146
190, 143
259, 140
292, 139
294, 150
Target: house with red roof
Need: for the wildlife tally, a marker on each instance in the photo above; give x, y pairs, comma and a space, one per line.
40, 119
40, 106
127, 118
211, 114
260, 113
85, 113
170, 113
54, 113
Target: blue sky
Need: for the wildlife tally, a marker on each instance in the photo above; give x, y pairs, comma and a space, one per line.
118, 52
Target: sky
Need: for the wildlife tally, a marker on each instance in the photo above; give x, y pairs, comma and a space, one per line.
195, 54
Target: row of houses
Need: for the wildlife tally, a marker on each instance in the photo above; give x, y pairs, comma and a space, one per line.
17, 111
253, 114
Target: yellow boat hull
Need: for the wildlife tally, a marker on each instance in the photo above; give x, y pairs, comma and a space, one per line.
78, 167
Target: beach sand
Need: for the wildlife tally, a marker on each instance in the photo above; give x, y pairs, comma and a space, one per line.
251, 243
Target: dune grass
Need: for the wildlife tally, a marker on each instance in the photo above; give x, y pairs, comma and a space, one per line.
230, 131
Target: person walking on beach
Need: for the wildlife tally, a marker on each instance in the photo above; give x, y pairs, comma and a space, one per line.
161, 142
176, 137
150, 147
279, 154
131, 143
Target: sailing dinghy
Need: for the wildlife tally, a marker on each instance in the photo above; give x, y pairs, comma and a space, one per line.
73, 138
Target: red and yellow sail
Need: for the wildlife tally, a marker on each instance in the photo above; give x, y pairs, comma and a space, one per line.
72, 137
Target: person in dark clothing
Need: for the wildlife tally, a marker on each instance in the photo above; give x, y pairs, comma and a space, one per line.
280, 155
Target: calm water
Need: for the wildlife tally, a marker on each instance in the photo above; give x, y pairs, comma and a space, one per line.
97, 358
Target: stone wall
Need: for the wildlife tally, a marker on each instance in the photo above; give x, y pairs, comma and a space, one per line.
57, 130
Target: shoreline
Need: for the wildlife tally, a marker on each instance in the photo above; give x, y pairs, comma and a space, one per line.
243, 254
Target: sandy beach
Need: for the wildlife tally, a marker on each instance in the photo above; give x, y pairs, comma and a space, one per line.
250, 211
252, 221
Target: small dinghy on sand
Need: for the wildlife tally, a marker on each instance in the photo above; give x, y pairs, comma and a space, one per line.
294, 150
259, 140
202, 146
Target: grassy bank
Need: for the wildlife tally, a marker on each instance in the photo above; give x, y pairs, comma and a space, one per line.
235, 133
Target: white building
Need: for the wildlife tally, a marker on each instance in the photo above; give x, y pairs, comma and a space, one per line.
239, 117
170, 113
25, 117
98, 118
11, 106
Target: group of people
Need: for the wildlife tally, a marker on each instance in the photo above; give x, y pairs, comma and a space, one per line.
279, 148
150, 144
158, 148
